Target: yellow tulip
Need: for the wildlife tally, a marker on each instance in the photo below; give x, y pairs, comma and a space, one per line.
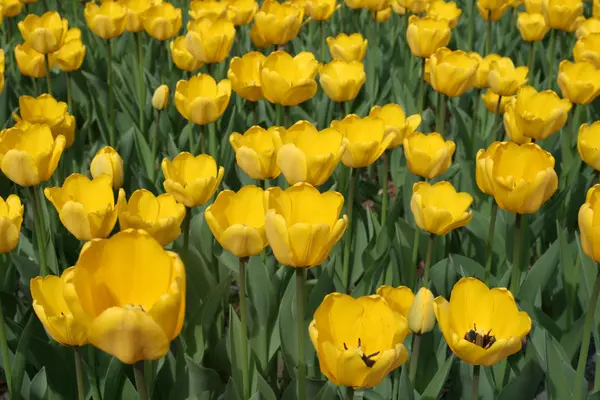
595, 8
358, 341
258, 39
30, 155
144, 310
11, 8
452, 72
85, 207
46, 33
504, 78
242, 11
483, 70
160, 98
161, 216
400, 298
182, 57
421, 317
492, 9
256, 151
321, 10
45, 110
397, 8
70, 56
483, 158
191, 180
30, 62
588, 49
278, 23
244, 75
135, 9
288, 80
208, 8
579, 82
513, 131
366, 139
201, 100
532, 27
383, 15
589, 26
533, 6
563, 15
237, 220
162, 21
522, 177
439, 208
482, 326
210, 40
428, 155
347, 47
342, 80
588, 144
302, 224
448, 11
51, 308
107, 20
375, 5
396, 122
426, 35
11, 218
491, 102
354, 4
108, 162
414, 6
588, 223
2, 67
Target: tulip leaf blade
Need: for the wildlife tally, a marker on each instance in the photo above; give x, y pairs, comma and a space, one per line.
195, 380
39, 385
436, 385
540, 273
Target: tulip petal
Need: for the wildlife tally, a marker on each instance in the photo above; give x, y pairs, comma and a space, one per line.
74, 217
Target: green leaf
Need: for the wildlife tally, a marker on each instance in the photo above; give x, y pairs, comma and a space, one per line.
195, 380
39, 386
20, 358
436, 385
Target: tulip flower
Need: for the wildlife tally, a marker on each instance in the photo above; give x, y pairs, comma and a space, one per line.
309, 155
428, 155
256, 151
347, 47
237, 220
278, 23
161, 216
71, 54
533, 6
11, 218
588, 49
288, 80
588, 144
241, 11
491, 102
587, 27
210, 40
321, 10
162, 21
30, 62
11, 8
452, 72
107, 20
492, 10
145, 309
414, 6
191, 180
532, 26
439, 208
45, 110
482, 326
2, 67
383, 15
482, 160
504, 79
579, 82
30, 155
421, 317
358, 341
135, 10
108, 162
483, 70
45, 33
441, 10
160, 98
513, 131
208, 8
302, 224
588, 223
563, 15
244, 75
182, 57
396, 122
376, 5
400, 298
426, 35
201, 100
341, 80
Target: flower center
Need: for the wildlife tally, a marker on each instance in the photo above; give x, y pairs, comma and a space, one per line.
367, 359
484, 340
134, 306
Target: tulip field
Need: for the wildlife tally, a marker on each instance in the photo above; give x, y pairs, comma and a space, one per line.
299, 200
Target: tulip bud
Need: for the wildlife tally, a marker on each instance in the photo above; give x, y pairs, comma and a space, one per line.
160, 99
108, 161
421, 318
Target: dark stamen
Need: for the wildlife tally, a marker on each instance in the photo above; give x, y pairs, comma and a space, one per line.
345, 347
485, 341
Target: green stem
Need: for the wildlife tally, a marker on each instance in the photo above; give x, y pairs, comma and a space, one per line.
93, 376
212, 141
278, 121
428, 260
111, 108
155, 141
45, 5
74, 6
140, 79
300, 278
69, 95
531, 63
40, 229
488, 36
515, 280
191, 144
348, 240
414, 259
349, 393
140, 381
421, 95
286, 117
414, 358
323, 37
497, 127
79, 374
442, 113
471, 25
473, 132
490, 242
186, 233
244, 332
165, 61
5, 353
551, 57
48, 73
384, 186
587, 333
475, 383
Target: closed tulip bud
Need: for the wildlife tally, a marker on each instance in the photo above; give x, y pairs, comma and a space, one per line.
452, 72
358, 341
160, 99
482, 160
278, 23
162, 21
305, 236
533, 6
347, 47
513, 131
532, 27
504, 78
47, 111
492, 9
11, 218
439, 208
309, 155
244, 75
588, 144
376, 5
426, 35
70, 56
288, 80
397, 8
256, 151
237, 220
257, 38
321, 10
161, 216
108, 162
579, 82
483, 70
208, 8
11, 8
2, 66
448, 11
588, 49
30, 155
182, 57
242, 11
366, 139
421, 318
201, 100
46, 33
191, 180
51, 309
341, 80
428, 155
383, 15
135, 9
107, 20
588, 223
589, 26
490, 100
30, 62
414, 6
400, 298
396, 122
563, 15
210, 40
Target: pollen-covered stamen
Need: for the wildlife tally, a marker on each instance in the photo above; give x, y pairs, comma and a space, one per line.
484, 340
367, 359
